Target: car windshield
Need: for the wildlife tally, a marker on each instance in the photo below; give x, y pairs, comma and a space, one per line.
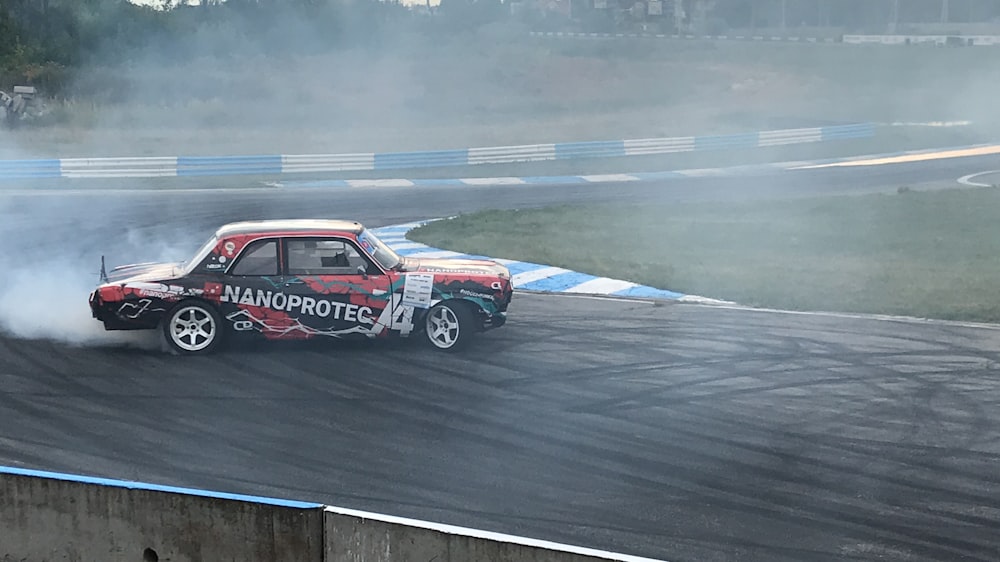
206, 248
377, 249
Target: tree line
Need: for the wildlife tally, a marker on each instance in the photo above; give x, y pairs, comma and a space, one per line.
719, 16
42, 42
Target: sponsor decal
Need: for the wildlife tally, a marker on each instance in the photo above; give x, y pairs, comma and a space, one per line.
134, 310
417, 289
452, 270
230, 247
161, 291
469, 293
212, 290
277, 324
366, 243
298, 304
157, 294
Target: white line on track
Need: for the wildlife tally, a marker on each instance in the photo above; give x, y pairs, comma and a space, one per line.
967, 180
56, 192
859, 316
741, 308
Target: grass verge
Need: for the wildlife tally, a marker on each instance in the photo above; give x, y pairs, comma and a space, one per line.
929, 254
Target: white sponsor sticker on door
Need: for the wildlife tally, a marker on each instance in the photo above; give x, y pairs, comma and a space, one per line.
417, 290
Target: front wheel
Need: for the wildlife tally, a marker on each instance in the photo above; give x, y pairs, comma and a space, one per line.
192, 327
449, 326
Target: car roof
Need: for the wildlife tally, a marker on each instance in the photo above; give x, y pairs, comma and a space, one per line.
298, 226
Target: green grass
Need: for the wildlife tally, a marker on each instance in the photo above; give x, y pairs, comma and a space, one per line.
931, 254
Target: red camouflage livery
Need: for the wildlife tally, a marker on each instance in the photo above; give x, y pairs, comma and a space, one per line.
297, 279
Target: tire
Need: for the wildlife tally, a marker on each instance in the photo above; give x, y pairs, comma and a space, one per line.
192, 328
449, 326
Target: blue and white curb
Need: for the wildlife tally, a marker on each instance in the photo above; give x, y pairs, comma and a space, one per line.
534, 180
527, 276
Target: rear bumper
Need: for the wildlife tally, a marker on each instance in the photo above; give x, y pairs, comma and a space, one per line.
105, 312
95, 304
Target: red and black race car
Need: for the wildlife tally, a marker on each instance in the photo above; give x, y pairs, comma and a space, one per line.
296, 279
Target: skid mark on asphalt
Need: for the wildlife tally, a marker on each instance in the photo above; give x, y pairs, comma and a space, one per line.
676, 432
911, 417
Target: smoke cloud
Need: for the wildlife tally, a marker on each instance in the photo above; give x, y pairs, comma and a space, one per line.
408, 81
50, 302
54, 244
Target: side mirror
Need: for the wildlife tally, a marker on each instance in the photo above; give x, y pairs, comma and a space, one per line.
363, 271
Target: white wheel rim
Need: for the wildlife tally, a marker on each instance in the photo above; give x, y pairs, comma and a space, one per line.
192, 328
442, 327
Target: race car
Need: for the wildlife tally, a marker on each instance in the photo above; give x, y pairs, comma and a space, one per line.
299, 279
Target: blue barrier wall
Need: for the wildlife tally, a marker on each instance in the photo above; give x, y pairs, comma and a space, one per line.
169, 166
20, 169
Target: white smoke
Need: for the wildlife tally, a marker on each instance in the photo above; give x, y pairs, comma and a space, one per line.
48, 279
48, 300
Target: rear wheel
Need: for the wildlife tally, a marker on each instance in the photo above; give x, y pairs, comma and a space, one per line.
192, 327
449, 326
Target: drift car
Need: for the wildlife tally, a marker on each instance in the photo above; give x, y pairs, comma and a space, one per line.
298, 279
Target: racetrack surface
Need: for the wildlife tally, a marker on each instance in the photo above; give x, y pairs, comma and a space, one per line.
672, 431
678, 432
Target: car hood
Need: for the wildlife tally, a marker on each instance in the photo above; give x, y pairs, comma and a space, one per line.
448, 265
153, 271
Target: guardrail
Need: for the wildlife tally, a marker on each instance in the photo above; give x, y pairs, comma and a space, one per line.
631, 35
958, 40
151, 167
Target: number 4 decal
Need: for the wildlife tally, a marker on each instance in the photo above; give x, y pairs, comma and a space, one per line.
395, 317
403, 320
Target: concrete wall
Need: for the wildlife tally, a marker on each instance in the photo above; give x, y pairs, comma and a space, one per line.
47, 517
43, 519
351, 539
354, 536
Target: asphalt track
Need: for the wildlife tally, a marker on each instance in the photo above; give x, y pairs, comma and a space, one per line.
672, 431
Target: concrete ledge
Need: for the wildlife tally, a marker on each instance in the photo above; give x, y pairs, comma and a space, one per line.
358, 536
45, 519
47, 516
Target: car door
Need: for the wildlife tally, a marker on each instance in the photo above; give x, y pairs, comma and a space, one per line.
250, 287
333, 288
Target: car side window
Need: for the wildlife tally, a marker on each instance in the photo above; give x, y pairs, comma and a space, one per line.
325, 256
259, 258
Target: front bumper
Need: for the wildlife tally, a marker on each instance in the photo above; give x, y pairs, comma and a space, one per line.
495, 321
